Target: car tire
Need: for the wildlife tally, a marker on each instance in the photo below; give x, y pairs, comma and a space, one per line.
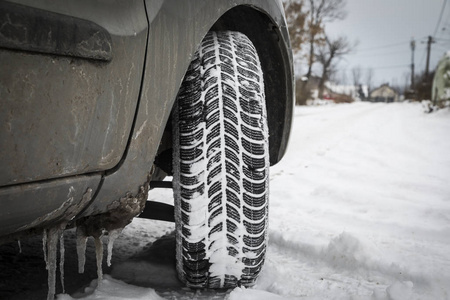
221, 165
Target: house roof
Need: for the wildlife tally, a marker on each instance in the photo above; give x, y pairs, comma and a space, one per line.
384, 91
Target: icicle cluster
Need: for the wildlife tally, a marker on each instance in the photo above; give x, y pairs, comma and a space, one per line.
121, 213
81, 249
50, 239
51, 236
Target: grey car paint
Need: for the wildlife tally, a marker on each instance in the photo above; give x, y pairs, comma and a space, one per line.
66, 115
122, 112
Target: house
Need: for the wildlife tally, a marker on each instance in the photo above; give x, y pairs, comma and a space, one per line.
441, 82
332, 92
358, 93
384, 93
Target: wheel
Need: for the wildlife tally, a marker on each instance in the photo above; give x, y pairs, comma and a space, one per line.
221, 165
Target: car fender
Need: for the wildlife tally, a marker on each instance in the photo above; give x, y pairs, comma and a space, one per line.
176, 28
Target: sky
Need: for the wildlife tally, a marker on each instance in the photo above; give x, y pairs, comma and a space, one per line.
383, 30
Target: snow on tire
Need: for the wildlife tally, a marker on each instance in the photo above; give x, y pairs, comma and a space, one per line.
221, 165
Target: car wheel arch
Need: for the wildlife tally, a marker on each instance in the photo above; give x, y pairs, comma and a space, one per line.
151, 135
276, 62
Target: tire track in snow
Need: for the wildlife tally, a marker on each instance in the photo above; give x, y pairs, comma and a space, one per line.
342, 268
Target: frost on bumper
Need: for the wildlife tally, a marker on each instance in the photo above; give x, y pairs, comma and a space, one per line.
54, 234
111, 223
120, 214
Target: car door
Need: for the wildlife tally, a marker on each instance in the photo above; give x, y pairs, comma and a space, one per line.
70, 76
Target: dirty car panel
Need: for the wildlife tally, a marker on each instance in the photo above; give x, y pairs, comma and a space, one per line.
41, 204
70, 94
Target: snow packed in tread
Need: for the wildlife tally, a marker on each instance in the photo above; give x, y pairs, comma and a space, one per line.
221, 163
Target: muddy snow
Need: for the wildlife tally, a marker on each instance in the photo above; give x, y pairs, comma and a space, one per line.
359, 209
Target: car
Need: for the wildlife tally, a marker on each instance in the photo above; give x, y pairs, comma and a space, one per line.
102, 100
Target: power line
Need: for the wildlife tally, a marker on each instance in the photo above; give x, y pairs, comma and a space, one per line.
442, 48
392, 67
384, 46
447, 18
382, 54
440, 17
443, 44
445, 41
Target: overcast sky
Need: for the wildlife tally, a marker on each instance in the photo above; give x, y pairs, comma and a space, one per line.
384, 29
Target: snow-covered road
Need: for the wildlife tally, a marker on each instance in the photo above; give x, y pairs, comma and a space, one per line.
362, 202
359, 209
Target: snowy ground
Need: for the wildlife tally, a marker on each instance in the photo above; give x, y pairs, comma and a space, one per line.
359, 209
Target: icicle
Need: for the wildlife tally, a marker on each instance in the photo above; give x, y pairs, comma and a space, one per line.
112, 236
20, 246
52, 247
99, 256
81, 249
44, 247
61, 260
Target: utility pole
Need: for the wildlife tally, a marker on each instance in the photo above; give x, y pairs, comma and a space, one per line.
413, 47
429, 42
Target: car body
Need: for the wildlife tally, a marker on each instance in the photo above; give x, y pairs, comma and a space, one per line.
86, 93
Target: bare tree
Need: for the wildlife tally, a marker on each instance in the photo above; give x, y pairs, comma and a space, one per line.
320, 12
328, 54
336, 77
306, 21
295, 18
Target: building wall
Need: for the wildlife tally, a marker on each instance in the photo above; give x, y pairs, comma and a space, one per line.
384, 94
